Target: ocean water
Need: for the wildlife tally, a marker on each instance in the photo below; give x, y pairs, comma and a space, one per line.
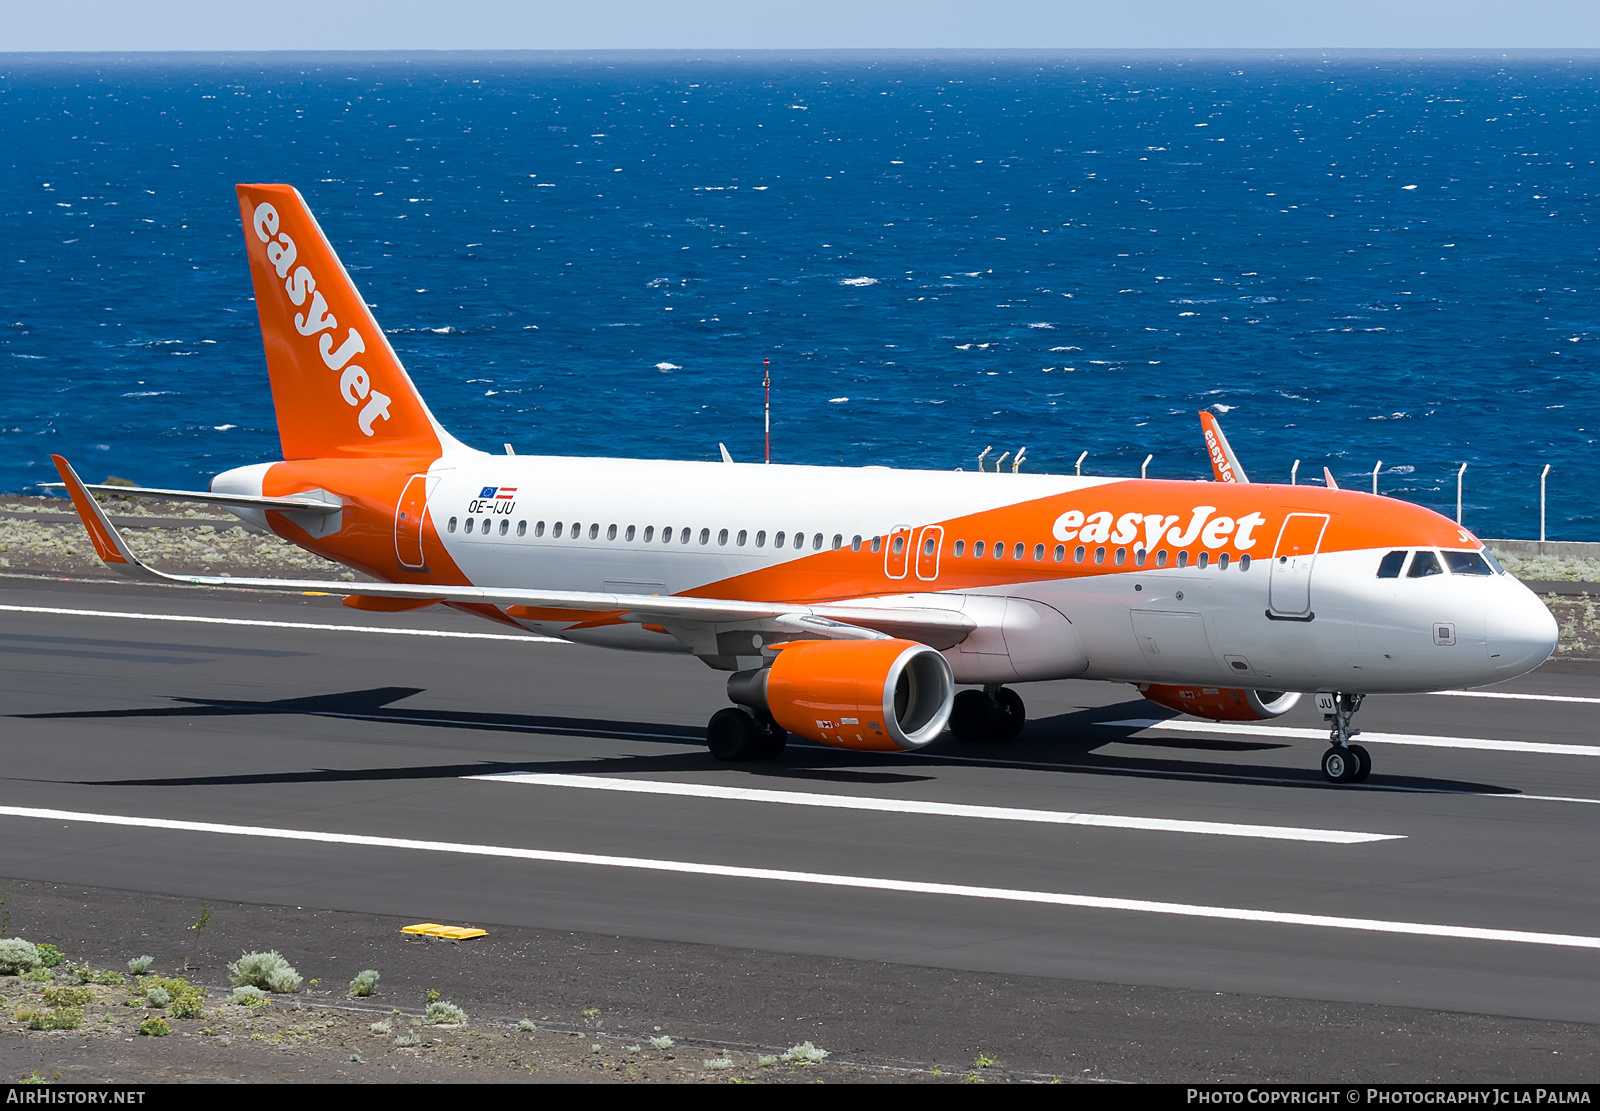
1350, 258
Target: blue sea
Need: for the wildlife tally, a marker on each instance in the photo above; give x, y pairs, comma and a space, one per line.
1348, 257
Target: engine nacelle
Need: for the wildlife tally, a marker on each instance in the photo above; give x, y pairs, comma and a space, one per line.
866, 695
1221, 703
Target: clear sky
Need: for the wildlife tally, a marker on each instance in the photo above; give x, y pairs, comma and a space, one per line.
117, 25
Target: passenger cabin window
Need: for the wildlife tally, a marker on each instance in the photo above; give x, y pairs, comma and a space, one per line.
1389, 567
855, 544
1423, 565
555, 530
899, 544
1017, 554
538, 529
977, 550
1244, 563
1061, 552
877, 544
816, 542
961, 547
505, 527
486, 525
684, 539
649, 533
629, 534
705, 536
761, 538
522, 528
838, 541
800, 540
594, 532
777, 539
741, 538
1466, 563
722, 538
451, 527
611, 532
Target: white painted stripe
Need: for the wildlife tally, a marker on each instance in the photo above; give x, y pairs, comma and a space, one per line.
1526, 697
937, 809
1291, 733
191, 619
823, 879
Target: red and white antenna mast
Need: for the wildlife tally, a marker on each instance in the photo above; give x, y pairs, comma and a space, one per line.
766, 384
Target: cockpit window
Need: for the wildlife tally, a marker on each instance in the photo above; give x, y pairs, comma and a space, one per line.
1467, 563
1493, 562
1390, 567
1425, 564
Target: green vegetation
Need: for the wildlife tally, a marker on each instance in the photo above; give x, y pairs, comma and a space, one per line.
63, 1018
365, 983
17, 956
265, 970
138, 966
67, 996
50, 956
155, 1027
805, 1051
442, 1013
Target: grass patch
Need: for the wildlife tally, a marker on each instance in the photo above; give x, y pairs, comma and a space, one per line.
67, 996
63, 1018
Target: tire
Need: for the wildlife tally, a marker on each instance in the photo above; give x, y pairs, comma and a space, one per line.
773, 741
733, 735
1339, 765
973, 717
1363, 764
1012, 716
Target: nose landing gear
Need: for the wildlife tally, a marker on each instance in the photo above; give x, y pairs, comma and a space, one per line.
1343, 762
990, 714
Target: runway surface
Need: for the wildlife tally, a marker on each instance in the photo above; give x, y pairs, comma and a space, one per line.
288, 750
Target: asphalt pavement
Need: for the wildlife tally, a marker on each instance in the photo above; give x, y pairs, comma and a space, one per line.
288, 751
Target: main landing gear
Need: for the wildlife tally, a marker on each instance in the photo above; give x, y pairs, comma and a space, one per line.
991, 714
735, 734
1343, 762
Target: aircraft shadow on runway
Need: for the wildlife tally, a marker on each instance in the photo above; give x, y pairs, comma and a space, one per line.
1067, 743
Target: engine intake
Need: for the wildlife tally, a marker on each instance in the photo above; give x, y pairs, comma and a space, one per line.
1221, 703
865, 695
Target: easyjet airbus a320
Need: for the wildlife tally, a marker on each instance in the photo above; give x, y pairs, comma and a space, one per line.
849, 604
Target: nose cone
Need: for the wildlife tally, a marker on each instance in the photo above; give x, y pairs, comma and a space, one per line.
1520, 634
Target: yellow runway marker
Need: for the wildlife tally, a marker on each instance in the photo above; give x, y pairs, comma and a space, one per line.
433, 929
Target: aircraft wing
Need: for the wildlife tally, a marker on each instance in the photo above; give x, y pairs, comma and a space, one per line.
842, 620
1224, 463
227, 501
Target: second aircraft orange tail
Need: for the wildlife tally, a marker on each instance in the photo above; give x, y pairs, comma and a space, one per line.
337, 385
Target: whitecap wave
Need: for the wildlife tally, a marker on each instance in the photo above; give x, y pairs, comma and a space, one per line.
223, 427
858, 281
1221, 408
668, 366
1041, 324
837, 400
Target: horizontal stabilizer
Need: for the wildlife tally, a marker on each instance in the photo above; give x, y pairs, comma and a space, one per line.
227, 501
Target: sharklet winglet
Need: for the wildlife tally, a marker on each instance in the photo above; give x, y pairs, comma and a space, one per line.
108, 543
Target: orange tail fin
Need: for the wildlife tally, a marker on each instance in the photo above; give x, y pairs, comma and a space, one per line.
337, 385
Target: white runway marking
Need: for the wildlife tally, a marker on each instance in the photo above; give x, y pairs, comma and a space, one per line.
1527, 697
182, 617
823, 879
1292, 733
937, 809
